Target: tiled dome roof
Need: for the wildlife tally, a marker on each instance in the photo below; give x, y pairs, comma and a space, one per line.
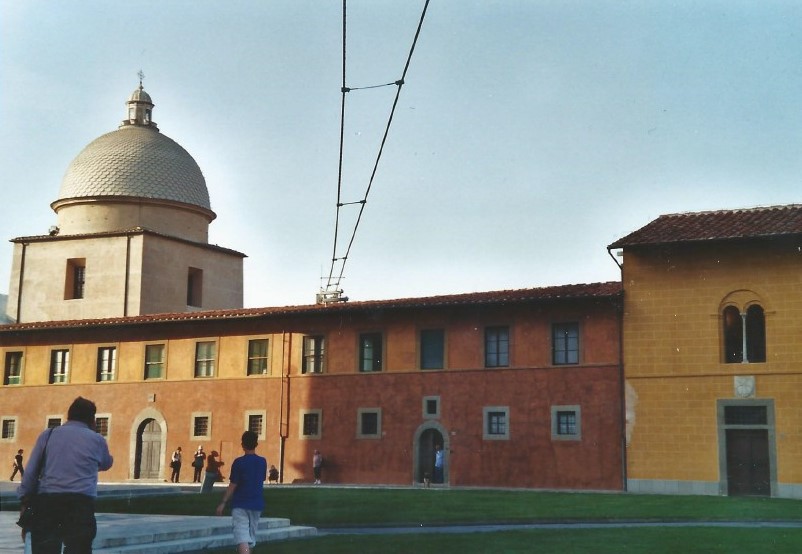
136, 161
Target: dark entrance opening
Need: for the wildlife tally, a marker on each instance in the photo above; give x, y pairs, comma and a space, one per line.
426, 448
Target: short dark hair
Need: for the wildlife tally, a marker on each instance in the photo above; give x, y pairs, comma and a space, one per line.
83, 410
249, 440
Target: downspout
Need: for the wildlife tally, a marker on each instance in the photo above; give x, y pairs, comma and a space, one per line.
19, 286
621, 381
284, 422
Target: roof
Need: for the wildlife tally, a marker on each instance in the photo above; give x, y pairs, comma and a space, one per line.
760, 222
135, 161
607, 290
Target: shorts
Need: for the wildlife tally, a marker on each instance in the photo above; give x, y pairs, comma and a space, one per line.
245, 523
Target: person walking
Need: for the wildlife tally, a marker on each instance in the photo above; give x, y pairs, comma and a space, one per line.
317, 465
175, 463
246, 483
67, 459
17, 465
212, 471
197, 464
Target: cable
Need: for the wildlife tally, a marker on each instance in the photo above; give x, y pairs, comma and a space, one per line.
333, 291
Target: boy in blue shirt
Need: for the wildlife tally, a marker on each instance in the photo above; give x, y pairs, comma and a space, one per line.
248, 474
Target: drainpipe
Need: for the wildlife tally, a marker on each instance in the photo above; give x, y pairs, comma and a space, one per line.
621, 381
19, 286
284, 424
127, 274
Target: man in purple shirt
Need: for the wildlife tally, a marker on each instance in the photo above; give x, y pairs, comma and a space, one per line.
65, 501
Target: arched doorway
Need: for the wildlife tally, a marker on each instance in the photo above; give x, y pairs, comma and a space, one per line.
147, 460
427, 438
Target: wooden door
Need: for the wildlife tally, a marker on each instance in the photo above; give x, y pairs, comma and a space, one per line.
748, 471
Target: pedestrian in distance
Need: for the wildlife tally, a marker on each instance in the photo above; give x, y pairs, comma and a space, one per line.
246, 483
272, 475
317, 465
16, 465
66, 459
197, 464
439, 464
175, 464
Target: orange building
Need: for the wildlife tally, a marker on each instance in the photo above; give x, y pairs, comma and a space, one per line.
711, 344
520, 388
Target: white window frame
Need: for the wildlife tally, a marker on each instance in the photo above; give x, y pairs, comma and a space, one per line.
3, 420
426, 414
247, 417
249, 357
113, 373
108, 417
208, 435
303, 414
360, 434
555, 434
66, 358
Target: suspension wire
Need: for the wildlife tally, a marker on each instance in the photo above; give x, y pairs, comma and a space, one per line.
332, 291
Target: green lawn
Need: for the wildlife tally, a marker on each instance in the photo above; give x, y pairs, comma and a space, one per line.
333, 507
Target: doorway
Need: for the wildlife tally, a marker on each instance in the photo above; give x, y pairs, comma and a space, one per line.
747, 462
427, 438
147, 464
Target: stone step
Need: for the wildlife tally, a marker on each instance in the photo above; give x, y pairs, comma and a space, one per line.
165, 534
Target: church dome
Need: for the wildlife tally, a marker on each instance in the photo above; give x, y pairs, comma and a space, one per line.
135, 161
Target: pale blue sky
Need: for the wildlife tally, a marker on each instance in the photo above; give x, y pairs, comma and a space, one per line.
529, 134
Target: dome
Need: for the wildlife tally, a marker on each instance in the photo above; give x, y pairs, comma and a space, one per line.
136, 161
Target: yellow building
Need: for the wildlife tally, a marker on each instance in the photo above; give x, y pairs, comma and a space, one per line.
712, 356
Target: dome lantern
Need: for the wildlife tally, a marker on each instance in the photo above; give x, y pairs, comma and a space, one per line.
140, 107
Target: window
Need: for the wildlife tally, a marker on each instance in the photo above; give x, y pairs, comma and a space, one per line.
311, 424
102, 425
566, 423
565, 343
59, 366
106, 363
8, 428
432, 349
257, 357
53, 421
201, 426
370, 352
431, 407
194, 287
154, 361
496, 423
204, 359
744, 335
255, 421
76, 278
497, 347
12, 375
314, 354
368, 423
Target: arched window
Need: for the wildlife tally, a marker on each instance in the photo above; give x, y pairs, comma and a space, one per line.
744, 335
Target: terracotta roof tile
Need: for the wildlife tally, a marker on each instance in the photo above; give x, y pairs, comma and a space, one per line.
611, 289
770, 221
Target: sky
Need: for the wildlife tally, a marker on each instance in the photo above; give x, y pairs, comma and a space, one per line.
528, 135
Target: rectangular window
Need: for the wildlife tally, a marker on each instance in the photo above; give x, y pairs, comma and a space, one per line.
154, 361
204, 359
370, 352
314, 354
496, 423
257, 357
102, 425
368, 423
76, 278
201, 426
565, 343
195, 287
53, 421
432, 349
311, 424
12, 374
8, 428
255, 421
431, 407
566, 423
497, 347
106, 363
59, 366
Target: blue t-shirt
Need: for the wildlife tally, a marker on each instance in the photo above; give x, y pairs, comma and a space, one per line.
249, 473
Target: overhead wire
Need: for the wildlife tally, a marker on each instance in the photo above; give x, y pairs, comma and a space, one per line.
333, 291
